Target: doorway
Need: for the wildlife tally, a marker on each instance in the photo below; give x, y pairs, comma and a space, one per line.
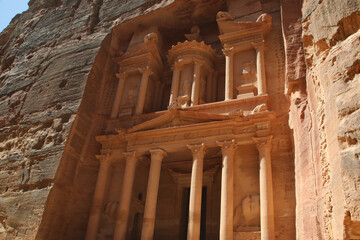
185, 213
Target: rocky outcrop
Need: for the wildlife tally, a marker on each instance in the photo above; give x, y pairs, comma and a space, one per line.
56, 76
325, 120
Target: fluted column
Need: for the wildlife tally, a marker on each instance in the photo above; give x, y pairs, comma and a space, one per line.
227, 190
146, 72
260, 67
266, 189
119, 94
175, 83
196, 84
198, 151
98, 199
157, 156
229, 73
122, 214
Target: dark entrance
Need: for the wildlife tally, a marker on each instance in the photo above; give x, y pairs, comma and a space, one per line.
185, 213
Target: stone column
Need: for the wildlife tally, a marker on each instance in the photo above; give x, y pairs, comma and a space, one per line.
146, 72
175, 83
196, 84
209, 86
122, 214
227, 190
98, 200
260, 67
229, 73
214, 87
266, 190
157, 156
194, 222
119, 94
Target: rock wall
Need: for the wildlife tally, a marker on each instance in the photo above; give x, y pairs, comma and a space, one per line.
56, 63
325, 120
47, 57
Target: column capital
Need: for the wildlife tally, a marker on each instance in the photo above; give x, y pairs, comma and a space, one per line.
122, 75
198, 149
145, 70
130, 155
227, 145
177, 65
157, 154
258, 45
104, 159
198, 62
263, 142
228, 51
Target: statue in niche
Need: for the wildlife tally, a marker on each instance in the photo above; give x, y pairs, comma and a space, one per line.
251, 210
131, 94
194, 34
248, 72
110, 211
247, 79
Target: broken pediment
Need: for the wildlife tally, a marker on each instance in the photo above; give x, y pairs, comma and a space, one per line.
178, 117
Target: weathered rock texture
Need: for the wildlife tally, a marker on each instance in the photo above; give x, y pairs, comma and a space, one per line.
56, 89
326, 120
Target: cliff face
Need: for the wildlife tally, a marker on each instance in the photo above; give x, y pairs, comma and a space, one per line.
325, 120
55, 80
47, 56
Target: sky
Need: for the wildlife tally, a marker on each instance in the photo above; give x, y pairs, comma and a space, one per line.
8, 10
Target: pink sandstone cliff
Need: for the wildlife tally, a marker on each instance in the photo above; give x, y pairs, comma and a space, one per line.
53, 98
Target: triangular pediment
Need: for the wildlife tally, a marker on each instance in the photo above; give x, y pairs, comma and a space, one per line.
176, 118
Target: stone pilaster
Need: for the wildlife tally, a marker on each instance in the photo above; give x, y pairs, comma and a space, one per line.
229, 73
260, 67
126, 191
198, 151
227, 190
146, 72
266, 189
98, 200
119, 94
157, 156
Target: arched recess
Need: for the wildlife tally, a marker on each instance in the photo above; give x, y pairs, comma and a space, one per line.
68, 204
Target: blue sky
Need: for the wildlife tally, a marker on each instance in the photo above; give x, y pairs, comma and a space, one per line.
8, 10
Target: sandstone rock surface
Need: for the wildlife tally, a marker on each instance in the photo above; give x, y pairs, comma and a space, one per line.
57, 77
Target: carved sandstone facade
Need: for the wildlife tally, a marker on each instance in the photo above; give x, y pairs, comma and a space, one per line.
180, 119
203, 145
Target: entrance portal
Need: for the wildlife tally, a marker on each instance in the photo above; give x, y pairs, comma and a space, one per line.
185, 213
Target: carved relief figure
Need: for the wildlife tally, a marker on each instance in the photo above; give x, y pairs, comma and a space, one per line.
251, 210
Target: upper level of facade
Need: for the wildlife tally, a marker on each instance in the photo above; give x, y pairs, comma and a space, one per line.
207, 68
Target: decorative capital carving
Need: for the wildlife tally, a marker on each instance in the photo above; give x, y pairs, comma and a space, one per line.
157, 154
121, 131
131, 156
198, 150
122, 75
177, 65
263, 143
145, 70
258, 45
175, 105
227, 51
104, 159
151, 38
228, 146
224, 16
